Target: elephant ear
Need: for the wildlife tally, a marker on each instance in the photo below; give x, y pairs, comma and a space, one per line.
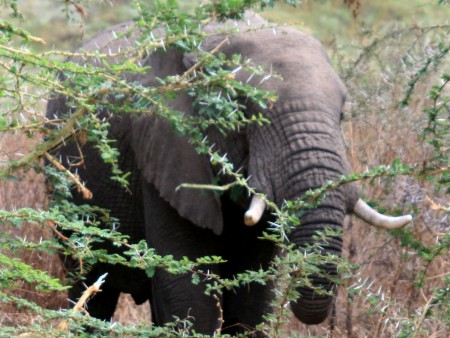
167, 160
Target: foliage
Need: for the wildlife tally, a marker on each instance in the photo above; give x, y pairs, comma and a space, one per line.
27, 77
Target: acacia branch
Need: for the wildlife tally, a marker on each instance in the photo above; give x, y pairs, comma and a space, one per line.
207, 186
80, 305
46, 146
199, 63
58, 233
220, 319
87, 194
90, 291
20, 32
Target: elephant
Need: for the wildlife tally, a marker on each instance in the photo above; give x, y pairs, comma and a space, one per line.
300, 149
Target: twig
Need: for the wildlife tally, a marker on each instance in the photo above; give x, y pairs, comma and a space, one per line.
220, 319
436, 206
90, 291
207, 186
438, 276
419, 322
200, 63
27, 36
79, 306
87, 194
435, 171
55, 230
47, 145
58, 233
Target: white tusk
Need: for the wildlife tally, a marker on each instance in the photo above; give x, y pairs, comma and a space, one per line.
254, 213
373, 217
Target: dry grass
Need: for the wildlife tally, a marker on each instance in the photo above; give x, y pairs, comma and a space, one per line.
28, 192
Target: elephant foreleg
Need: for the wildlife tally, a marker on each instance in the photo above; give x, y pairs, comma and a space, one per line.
175, 295
243, 249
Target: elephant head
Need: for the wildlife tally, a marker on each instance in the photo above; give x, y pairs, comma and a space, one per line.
299, 150
302, 148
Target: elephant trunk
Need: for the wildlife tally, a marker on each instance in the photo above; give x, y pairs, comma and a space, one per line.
304, 152
313, 306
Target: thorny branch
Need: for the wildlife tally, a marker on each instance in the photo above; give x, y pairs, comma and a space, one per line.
89, 292
80, 304
87, 194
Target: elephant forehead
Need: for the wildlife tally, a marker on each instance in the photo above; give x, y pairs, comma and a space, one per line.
278, 43
296, 65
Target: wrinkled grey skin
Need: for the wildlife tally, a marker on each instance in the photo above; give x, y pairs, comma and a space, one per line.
300, 150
